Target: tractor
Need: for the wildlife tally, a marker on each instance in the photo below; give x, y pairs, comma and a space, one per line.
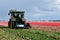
17, 20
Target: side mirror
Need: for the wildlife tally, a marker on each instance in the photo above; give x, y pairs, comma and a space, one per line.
8, 13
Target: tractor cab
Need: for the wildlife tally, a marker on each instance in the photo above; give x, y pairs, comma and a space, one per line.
17, 19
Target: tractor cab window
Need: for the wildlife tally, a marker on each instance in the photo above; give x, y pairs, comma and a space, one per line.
15, 14
19, 15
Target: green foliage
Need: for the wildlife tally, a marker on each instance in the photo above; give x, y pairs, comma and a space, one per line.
27, 34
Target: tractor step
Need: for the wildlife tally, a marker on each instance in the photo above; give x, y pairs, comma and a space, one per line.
19, 25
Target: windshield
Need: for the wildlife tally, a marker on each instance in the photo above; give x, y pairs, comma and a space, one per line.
17, 15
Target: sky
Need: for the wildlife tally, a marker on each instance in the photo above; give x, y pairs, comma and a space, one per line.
34, 9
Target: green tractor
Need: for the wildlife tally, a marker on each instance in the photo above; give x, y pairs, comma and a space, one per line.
17, 19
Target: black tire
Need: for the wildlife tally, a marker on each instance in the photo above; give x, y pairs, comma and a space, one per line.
12, 24
9, 24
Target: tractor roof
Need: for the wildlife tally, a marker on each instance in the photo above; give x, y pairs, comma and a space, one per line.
16, 11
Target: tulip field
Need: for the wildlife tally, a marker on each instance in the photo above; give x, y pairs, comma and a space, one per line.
39, 31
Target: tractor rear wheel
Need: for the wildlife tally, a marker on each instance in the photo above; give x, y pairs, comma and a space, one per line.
11, 24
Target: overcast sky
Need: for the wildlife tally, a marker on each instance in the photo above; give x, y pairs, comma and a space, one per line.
34, 9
